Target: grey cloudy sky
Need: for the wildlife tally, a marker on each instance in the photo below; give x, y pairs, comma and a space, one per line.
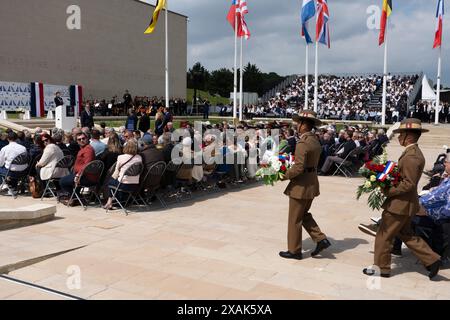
276, 44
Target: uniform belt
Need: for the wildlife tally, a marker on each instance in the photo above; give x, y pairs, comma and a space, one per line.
310, 169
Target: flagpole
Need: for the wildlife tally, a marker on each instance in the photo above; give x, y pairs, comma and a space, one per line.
235, 65
241, 83
383, 110
438, 96
306, 77
316, 85
167, 56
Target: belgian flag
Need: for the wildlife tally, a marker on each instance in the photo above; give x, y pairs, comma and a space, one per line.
387, 10
160, 4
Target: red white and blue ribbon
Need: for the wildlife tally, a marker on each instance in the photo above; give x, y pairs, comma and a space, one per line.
387, 170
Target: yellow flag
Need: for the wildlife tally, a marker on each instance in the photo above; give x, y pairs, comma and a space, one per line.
160, 4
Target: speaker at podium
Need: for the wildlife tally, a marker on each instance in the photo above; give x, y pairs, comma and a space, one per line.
66, 117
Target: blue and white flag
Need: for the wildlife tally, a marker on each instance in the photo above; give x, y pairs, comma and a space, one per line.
308, 12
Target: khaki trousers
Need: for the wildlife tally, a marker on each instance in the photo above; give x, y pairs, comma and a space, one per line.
299, 217
393, 225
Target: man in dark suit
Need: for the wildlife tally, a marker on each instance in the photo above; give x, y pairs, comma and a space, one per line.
58, 100
446, 113
144, 122
86, 118
206, 110
292, 142
150, 155
341, 154
303, 188
401, 206
127, 99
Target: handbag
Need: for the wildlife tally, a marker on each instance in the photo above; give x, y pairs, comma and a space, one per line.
35, 188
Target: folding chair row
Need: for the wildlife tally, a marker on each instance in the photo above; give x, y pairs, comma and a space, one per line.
346, 166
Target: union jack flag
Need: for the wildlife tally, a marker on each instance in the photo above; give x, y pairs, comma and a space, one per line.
323, 29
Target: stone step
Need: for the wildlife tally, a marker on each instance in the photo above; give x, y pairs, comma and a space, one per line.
25, 216
32, 124
437, 137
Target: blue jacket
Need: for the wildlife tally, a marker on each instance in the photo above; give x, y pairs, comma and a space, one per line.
437, 202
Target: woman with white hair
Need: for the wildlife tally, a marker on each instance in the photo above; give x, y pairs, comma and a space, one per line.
437, 201
437, 206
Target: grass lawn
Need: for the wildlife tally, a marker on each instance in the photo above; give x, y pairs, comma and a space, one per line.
13, 115
206, 95
176, 123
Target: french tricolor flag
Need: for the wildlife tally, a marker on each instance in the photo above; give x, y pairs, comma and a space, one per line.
440, 17
76, 97
37, 100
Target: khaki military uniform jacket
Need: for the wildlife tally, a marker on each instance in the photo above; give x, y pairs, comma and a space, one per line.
403, 199
304, 183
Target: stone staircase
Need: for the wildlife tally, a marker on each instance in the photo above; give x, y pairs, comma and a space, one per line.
375, 100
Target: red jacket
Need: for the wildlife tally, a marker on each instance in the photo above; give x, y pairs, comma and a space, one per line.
85, 155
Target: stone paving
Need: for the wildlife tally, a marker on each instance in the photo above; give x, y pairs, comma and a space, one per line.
224, 247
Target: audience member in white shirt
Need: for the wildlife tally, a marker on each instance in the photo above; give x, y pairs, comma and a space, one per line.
9, 153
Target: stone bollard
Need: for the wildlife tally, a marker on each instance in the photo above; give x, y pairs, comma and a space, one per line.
3, 115
27, 115
50, 115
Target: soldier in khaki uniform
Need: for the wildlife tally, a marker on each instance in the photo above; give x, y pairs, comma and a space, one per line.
402, 204
303, 188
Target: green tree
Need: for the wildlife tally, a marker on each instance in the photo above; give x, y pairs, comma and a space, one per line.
253, 79
221, 82
271, 80
198, 77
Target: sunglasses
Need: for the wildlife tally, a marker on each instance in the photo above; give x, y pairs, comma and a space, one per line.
44, 140
81, 139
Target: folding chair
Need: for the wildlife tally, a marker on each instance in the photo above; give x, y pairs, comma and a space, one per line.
345, 166
169, 178
65, 163
20, 176
183, 184
92, 172
152, 184
209, 181
134, 170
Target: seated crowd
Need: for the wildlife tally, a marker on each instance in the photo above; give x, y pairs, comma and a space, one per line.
119, 150
340, 98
